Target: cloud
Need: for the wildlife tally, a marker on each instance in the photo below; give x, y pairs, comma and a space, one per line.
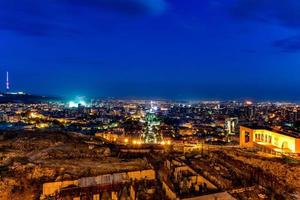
130, 7
283, 12
27, 17
48, 17
291, 44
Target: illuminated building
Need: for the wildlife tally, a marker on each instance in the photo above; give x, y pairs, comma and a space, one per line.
270, 139
111, 136
77, 104
186, 131
72, 104
231, 125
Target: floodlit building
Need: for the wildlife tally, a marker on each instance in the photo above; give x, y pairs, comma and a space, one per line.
231, 125
269, 139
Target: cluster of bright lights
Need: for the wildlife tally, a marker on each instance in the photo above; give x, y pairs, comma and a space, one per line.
155, 108
82, 103
166, 142
73, 104
248, 103
35, 115
138, 142
42, 125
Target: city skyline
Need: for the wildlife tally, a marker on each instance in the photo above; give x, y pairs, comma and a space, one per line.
6, 90
152, 49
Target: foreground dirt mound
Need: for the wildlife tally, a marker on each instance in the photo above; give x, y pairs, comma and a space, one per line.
29, 159
36, 140
285, 174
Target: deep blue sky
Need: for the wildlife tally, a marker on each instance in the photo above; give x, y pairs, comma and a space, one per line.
152, 48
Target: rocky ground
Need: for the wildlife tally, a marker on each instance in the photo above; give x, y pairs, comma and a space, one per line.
29, 159
283, 172
267, 177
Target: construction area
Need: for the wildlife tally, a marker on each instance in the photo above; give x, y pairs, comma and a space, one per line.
64, 165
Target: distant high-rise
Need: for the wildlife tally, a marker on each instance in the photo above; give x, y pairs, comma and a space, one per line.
7, 82
231, 125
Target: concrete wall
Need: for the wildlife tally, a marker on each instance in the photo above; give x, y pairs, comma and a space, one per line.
298, 146
169, 193
243, 131
51, 188
201, 180
145, 174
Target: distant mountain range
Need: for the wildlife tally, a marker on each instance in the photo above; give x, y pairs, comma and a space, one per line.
21, 97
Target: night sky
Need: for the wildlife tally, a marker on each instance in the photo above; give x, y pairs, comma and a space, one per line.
177, 49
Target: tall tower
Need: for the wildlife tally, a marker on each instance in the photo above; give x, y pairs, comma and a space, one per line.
7, 82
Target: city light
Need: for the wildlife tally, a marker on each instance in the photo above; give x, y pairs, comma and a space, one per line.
82, 103
115, 126
42, 125
72, 104
35, 115
249, 103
